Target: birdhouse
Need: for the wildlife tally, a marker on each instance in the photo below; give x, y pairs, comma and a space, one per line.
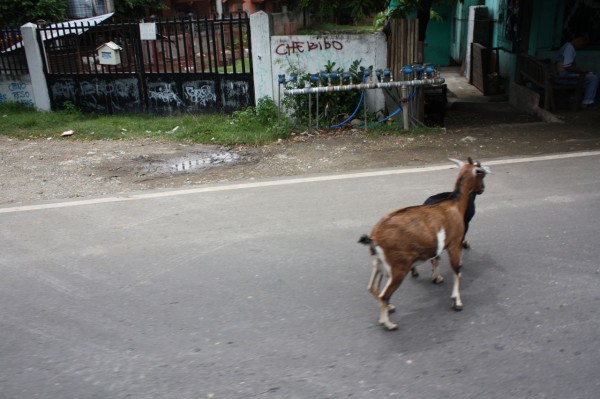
109, 54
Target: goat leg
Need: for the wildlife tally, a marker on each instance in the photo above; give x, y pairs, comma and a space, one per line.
384, 299
436, 277
414, 272
373, 286
456, 263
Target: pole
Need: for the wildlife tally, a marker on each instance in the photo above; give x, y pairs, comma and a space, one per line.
404, 100
365, 111
365, 86
309, 112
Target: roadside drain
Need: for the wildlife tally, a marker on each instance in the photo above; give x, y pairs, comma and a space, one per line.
203, 161
189, 162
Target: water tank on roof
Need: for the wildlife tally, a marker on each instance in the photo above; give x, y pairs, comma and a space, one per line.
89, 8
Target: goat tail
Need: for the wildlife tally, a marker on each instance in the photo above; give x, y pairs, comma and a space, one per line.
366, 240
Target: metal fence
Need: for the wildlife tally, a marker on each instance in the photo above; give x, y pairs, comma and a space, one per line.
165, 67
189, 45
12, 53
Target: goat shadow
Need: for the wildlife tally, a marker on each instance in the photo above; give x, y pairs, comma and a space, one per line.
430, 318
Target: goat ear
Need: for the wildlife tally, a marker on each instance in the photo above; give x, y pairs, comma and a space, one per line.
458, 163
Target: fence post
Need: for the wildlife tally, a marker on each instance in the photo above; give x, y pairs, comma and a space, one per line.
41, 97
261, 29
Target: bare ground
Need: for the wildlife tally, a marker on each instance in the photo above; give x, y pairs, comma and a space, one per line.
55, 168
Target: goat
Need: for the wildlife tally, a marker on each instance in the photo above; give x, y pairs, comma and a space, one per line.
434, 199
419, 233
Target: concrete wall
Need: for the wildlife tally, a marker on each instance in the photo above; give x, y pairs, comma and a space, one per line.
310, 54
15, 88
29, 89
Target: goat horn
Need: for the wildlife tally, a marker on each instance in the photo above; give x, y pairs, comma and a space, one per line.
458, 163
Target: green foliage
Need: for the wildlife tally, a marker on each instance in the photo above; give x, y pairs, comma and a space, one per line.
333, 107
18, 12
138, 8
407, 7
70, 107
355, 9
265, 116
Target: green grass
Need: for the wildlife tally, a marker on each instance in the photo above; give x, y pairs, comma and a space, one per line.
238, 66
25, 123
253, 126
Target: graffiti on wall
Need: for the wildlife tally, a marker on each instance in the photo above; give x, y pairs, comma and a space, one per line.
15, 91
295, 46
163, 94
174, 96
236, 94
160, 95
200, 93
311, 53
97, 95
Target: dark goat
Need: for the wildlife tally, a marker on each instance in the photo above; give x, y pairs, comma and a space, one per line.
434, 199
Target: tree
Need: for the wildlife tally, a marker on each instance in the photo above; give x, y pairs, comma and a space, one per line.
338, 9
18, 12
137, 8
423, 9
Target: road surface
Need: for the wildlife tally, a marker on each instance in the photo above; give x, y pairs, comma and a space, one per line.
258, 290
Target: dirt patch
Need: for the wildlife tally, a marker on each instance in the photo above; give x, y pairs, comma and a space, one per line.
55, 169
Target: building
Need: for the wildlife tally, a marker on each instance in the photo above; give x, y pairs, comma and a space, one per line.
222, 7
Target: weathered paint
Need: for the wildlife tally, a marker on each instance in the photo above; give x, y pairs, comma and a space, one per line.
16, 89
310, 54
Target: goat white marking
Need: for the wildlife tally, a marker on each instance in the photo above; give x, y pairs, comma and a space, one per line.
441, 240
384, 267
456, 291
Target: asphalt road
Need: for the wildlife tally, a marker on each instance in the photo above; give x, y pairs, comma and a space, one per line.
258, 290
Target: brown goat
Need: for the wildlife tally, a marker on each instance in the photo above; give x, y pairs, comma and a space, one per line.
420, 233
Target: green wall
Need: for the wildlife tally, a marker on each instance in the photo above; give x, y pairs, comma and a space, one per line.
437, 40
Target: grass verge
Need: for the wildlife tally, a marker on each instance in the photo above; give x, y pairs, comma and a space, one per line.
245, 127
254, 126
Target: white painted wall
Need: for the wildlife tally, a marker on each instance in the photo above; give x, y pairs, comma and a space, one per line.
16, 89
310, 54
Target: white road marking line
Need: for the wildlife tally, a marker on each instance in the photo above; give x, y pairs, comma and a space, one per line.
284, 182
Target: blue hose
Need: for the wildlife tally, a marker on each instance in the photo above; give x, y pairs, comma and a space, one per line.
362, 95
389, 116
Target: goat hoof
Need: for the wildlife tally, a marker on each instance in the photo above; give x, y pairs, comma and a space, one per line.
437, 280
455, 306
391, 308
414, 272
391, 326
466, 244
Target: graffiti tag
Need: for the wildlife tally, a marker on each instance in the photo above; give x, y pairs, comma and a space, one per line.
201, 96
295, 47
165, 94
18, 92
